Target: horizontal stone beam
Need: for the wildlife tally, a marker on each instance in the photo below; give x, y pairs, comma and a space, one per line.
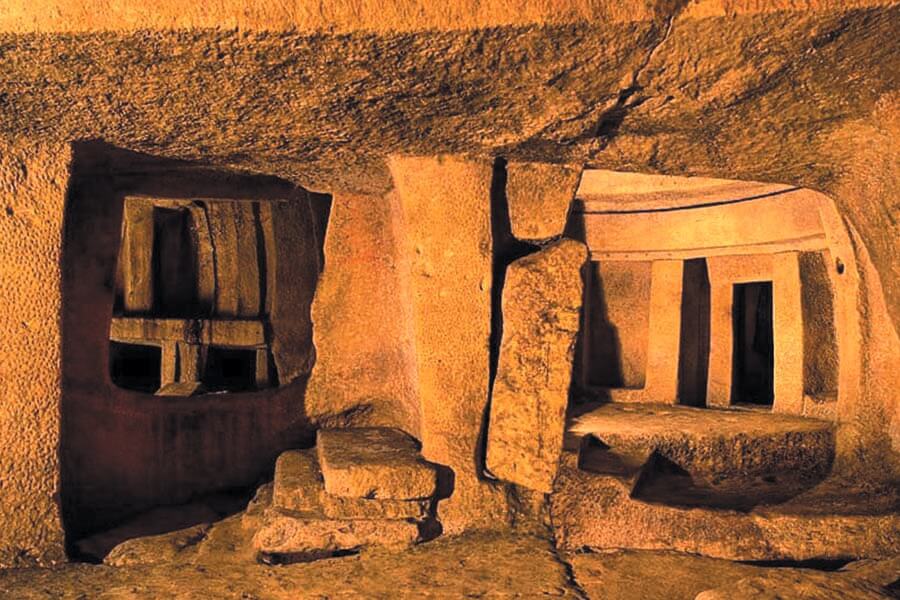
211, 332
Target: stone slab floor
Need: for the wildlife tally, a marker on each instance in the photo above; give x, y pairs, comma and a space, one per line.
217, 565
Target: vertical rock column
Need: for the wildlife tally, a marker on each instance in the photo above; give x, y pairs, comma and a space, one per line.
718, 390
541, 306
445, 203
136, 259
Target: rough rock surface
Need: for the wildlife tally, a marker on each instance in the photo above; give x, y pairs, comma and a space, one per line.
157, 549
32, 192
299, 486
222, 565
363, 379
467, 566
298, 481
145, 526
374, 463
539, 197
715, 443
800, 93
541, 310
620, 575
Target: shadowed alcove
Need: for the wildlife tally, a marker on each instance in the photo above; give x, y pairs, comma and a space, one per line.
187, 336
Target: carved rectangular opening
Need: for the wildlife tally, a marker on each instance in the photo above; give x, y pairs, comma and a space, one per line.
230, 369
754, 354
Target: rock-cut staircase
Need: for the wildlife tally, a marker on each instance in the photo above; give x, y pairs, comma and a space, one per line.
357, 488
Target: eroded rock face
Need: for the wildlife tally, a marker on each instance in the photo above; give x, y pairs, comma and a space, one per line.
541, 306
865, 580
364, 371
32, 188
157, 549
598, 511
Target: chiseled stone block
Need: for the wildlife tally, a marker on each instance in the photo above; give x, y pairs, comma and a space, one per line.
539, 197
541, 307
299, 487
374, 463
298, 482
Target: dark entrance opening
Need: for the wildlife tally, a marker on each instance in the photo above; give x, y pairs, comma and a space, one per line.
693, 354
135, 367
754, 354
230, 369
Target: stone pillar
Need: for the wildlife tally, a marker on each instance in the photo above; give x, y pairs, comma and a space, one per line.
190, 368
446, 208
361, 315
168, 363
721, 343
541, 305
262, 368
137, 256
664, 332
788, 333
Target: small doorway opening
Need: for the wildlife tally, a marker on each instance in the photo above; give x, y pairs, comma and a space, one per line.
754, 353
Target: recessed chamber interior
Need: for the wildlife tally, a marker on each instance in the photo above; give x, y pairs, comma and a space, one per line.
187, 335
704, 294
708, 293
193, 281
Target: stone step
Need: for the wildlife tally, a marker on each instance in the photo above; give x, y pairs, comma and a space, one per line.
374, 463
299, 486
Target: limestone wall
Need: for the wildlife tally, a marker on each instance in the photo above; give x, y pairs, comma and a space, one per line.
33, 181
805, 96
